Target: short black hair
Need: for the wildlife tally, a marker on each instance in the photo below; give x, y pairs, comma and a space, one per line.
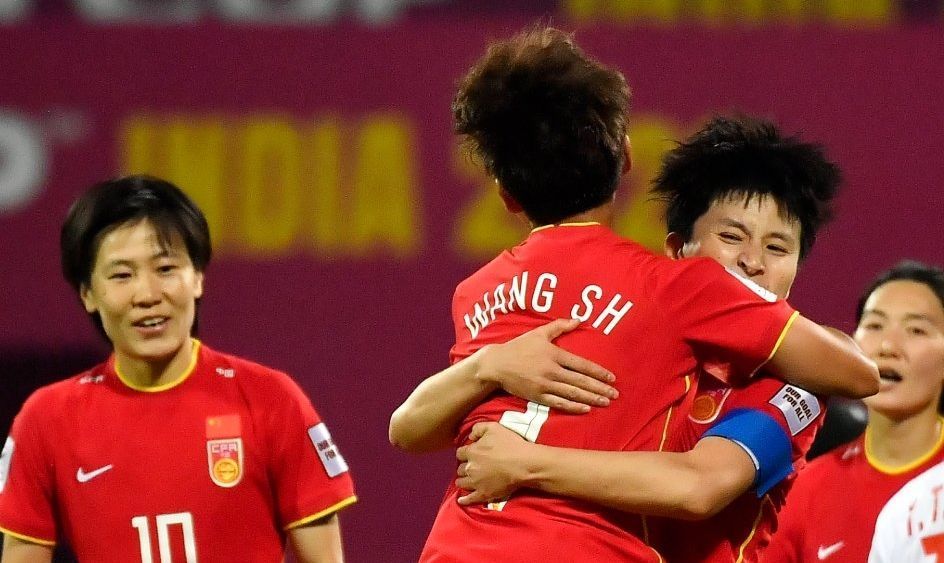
906, 270
108, 205
548, 122
745, 156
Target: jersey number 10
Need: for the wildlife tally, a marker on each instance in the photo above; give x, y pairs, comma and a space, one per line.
164, 522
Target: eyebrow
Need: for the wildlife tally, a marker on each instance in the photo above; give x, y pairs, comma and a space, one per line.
907, 317
739, 225
163, 253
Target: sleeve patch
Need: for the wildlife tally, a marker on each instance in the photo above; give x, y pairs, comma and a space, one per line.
331, 458
6, 457
800, 408
764, 294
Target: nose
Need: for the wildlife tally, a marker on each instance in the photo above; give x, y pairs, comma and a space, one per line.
751, 262
147, 291
888, 346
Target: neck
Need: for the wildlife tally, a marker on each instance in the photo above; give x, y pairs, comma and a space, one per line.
144, 373
901, 442
602, 214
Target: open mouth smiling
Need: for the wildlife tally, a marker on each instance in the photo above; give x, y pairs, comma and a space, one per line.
151, 322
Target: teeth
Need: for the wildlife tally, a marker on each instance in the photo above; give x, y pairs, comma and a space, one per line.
152, 322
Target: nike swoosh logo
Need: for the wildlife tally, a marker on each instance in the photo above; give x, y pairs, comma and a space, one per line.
824, 552
83, 477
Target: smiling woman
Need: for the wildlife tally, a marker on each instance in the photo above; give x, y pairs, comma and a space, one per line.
221, 435
145, 294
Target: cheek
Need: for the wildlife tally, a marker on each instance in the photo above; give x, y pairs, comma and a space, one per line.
113, 303
724, 254
183, 293
781, 285
869, 342
786, 269
930, 363
109, 316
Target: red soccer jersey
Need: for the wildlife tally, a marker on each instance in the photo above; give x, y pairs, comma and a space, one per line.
214, 467
831, 510
911, 525
741, 530
645, 317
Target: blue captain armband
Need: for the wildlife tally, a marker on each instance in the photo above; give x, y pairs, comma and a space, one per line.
763, 439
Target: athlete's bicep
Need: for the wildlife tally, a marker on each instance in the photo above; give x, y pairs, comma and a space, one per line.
725, 471
317, 542
16, 550
823, 361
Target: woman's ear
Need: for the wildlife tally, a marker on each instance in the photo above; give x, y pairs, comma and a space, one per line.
88, 301
674, 246
627, 156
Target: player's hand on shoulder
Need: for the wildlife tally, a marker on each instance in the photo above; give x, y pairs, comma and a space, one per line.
533, 368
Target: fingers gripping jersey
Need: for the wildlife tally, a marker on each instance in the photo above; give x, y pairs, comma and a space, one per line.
739, 532
648, 319
214, 467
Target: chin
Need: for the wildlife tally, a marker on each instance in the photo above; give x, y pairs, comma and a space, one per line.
159, 351
894, 409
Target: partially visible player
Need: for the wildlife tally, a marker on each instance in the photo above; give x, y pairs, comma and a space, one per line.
169, 450
830, 514
910, 528
549, 123
742, 193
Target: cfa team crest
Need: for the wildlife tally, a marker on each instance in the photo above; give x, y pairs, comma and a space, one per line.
225, 458
707, 405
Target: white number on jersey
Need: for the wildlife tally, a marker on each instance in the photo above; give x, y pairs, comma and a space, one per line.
164, 522
526, 424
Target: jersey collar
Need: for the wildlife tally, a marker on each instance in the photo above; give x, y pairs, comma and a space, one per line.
194, 354
553, 225
899, 469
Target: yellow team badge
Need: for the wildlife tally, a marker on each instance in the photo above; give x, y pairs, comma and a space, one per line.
226, 461
225, 449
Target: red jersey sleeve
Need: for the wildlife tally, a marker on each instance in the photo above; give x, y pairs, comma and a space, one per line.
773, 421
455, 354
27, 506
799, 413
725, 318
310, 477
